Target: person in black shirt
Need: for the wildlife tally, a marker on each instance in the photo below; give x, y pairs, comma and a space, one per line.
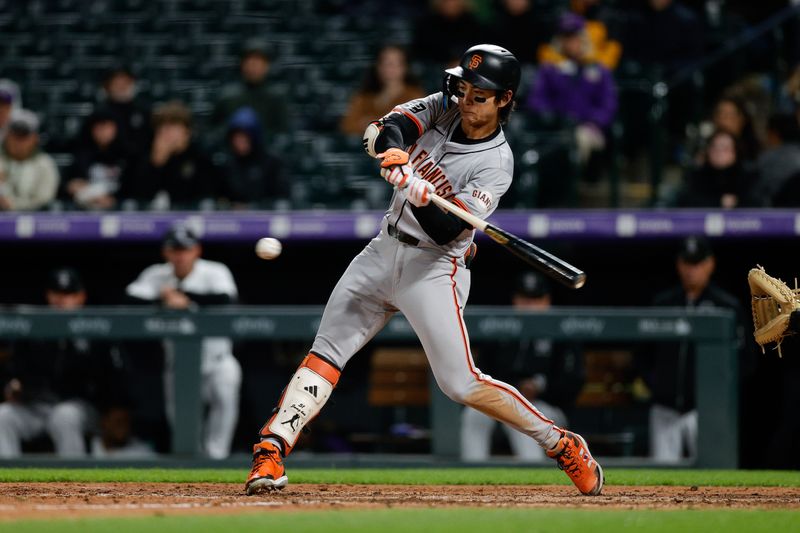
669, 368
100, 156
722, 181
254, 89
57, 386
130, 113
175, 173
252, 177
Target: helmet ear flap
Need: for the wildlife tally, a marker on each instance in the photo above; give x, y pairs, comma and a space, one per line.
450, 88
449, 85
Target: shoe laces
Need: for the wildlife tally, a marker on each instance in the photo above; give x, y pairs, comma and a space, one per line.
262, 456
568, 461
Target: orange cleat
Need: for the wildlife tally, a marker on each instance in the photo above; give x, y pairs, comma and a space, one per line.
573, 457
268, 473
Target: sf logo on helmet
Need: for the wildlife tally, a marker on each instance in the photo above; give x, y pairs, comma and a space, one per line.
475, 61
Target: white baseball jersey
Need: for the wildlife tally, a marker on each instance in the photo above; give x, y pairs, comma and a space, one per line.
206, 277
471, 174
221, 372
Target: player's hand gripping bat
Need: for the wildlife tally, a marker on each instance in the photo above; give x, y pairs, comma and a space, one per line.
542, 260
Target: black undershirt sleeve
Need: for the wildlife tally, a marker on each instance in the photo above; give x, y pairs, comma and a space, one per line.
199, 299
210, 298
399, 131
442, 227
135, 300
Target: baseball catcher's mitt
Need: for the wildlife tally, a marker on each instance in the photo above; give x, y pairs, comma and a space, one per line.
776, 308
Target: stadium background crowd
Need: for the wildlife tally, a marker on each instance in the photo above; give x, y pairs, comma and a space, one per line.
131, 105
158, 69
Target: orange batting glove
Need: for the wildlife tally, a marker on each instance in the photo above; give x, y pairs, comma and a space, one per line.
392, 157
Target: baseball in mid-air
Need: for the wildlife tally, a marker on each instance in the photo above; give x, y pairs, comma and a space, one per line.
268, 248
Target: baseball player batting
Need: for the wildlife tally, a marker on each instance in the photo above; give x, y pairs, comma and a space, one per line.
450, 143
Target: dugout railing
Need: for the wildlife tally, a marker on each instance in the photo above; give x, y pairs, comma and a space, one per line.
711, 331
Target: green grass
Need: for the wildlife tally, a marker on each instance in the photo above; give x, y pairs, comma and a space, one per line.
432, 476
454, 520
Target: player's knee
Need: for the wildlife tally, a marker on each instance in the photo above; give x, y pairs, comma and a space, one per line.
458, 394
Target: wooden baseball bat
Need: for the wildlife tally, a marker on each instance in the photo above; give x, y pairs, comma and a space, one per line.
556, 268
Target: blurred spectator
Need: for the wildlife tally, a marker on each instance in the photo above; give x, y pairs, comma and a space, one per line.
94, 178
576, 89
28, 176
520, 29
132, 115
601, 48
184, 282
721, 181
550, 375
58, 385
252, 177
730, 115
663, 33
176, 173
669, 367
779, 163
11, 89
445, 31
116, 440
387, 83
253, 90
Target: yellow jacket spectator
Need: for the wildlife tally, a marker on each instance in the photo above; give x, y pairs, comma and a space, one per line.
600, 49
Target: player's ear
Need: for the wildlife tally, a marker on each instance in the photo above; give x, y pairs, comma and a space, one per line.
504, 99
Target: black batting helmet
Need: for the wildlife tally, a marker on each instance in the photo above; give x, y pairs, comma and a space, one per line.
486, 66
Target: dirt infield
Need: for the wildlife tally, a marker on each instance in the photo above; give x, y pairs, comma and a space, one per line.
59, 500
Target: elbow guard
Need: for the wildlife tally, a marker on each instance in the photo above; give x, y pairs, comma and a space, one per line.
392, 131
371, 135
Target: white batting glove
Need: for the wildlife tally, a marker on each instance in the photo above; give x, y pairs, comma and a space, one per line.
418, 191
398, 175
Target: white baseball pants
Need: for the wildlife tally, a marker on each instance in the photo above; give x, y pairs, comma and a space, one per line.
221, 384
65, 422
